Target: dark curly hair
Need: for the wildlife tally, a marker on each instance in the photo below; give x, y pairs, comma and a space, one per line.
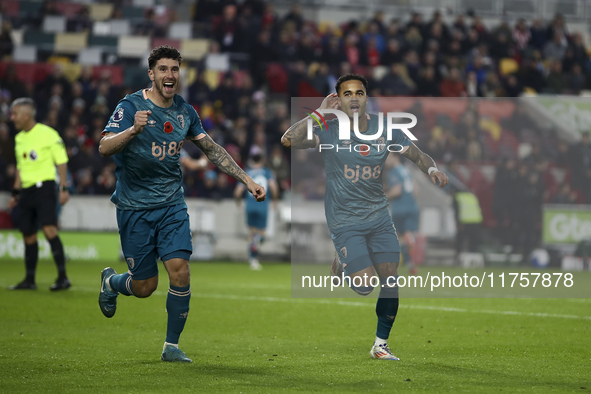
163, 52
349, 77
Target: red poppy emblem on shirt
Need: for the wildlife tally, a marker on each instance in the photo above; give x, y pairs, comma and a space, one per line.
168, 127
364, 150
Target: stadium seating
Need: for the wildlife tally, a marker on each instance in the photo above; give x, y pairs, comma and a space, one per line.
70, 43
54, 23
180, 30
90, 56
194, 48
25, 54
101, 11
133, 46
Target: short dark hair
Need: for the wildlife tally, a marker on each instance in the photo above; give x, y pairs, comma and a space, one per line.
163, 52
350, 77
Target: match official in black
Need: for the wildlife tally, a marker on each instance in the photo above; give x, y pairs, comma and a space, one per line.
39, 150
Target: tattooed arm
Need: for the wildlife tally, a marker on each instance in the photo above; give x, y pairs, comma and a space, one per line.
296, 135
222, 160
425, 162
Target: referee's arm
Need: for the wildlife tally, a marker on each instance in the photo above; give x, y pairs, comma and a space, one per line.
16, 189
64, 194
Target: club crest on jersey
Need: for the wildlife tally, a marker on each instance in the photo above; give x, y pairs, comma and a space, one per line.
344, 252
168, 128
118, 115
381, 141
181, 120
130, 262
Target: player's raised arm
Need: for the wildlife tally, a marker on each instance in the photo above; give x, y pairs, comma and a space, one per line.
112, 143
426, 164
296, 135
222, 160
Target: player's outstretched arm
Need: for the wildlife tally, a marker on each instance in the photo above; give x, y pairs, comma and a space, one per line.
222, 160
112, 143
296, 135
426, 164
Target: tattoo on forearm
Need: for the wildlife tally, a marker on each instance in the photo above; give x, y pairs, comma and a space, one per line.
420, 158
295, 136
221, 158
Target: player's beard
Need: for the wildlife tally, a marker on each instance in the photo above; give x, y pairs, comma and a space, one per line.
163, 92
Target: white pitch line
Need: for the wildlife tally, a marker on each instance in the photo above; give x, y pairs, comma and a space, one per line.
328, 301
365, 304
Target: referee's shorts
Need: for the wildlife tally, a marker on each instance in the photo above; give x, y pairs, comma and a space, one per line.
38, 206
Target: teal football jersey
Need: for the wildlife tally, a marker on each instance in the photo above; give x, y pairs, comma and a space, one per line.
353, 167
148, 170
406, 202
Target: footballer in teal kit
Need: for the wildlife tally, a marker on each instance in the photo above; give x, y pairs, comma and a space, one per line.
399, 189
257, 213
145, 136
356, 207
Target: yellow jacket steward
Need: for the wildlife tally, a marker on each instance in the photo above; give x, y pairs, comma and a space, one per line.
468, 208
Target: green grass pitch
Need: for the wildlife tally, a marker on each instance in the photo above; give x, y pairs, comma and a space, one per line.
246, 334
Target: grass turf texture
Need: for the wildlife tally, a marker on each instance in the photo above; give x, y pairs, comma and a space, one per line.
245, 334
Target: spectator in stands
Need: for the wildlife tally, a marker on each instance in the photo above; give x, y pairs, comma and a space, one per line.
393, 31
332, 53
577, 80
504, 203
557, 82
564, 195
513, 87
6, 44
306, 50
81, 22
413, 38
397, 82
320, 79
530, 75
538, 35
427, 84
501, 47
471, 41
392, 54
295, 16
228, 31
528, 217
452, 85
286, 47
278, 163
477, 66
521, 35
374, 34
580, 54
555, 49
412, 65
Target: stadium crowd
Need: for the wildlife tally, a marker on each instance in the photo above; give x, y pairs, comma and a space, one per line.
293, 57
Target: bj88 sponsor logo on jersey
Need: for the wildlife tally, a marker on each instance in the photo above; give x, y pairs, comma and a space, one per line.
171, 148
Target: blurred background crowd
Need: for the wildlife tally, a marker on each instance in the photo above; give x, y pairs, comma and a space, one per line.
255, 60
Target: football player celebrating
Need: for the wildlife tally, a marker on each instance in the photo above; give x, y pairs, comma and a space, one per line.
145, 135
356, 208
